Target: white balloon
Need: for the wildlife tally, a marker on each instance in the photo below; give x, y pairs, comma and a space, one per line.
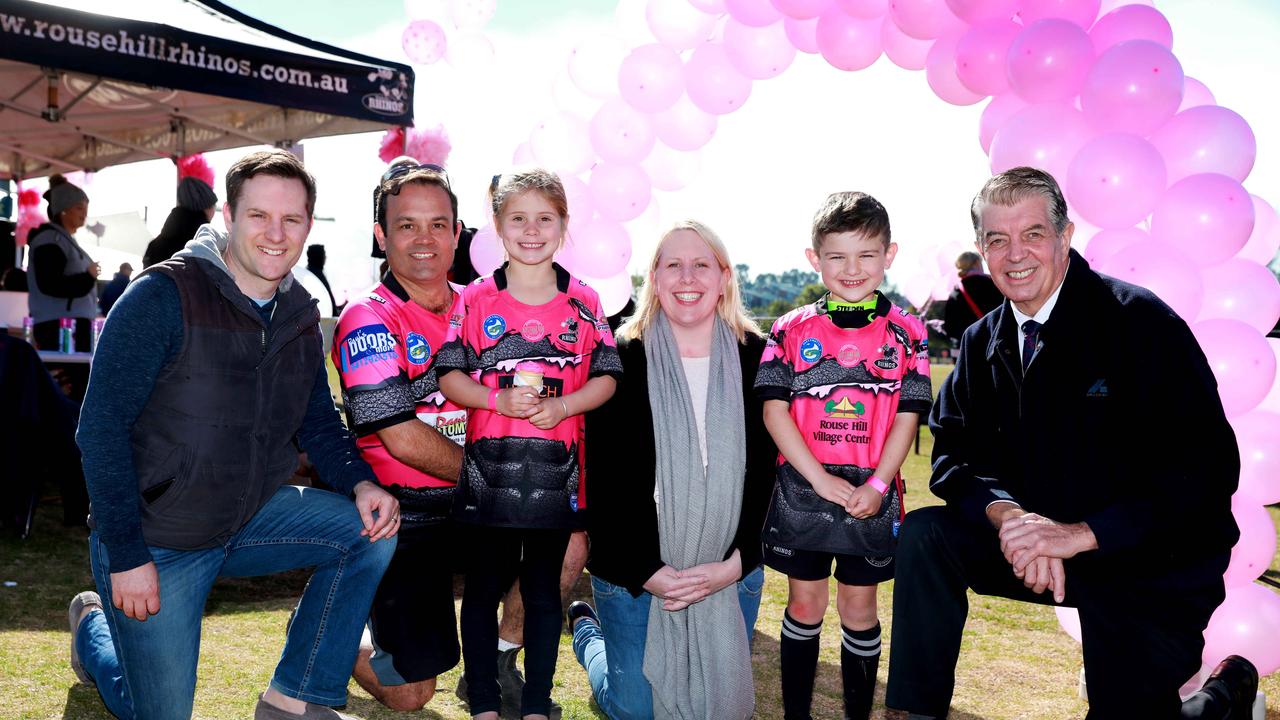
472, 14
669, 169
678, 24
593, 65
469, 52
628, 19
562, 143
568, 96
427, 10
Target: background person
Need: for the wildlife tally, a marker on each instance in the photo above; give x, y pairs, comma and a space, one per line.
196, 205
689, 356
61, 276
1049, 499
975, 296
115, 288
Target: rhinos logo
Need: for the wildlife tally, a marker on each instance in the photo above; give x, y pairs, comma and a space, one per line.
367, 344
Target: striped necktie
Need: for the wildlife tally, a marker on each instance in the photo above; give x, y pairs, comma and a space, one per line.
1031, 329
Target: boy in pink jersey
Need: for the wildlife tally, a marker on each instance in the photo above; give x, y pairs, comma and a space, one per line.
384, 348
845, 381
533, 352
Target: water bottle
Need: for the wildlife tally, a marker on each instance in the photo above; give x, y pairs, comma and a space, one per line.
66, 335
98, 323
29, 330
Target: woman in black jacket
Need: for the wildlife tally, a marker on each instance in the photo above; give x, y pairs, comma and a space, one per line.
676, 508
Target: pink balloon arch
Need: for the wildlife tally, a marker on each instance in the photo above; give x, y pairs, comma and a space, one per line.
1089, 90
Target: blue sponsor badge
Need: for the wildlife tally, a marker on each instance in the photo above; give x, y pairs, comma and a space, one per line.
896, 525
811, 350
367, 344
417, 349
494, 326
573, 501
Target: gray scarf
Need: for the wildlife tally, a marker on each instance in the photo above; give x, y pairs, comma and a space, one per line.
697, 659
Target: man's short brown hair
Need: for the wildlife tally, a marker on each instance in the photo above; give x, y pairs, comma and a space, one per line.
277, 163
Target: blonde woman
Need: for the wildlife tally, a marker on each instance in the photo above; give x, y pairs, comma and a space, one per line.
675, 518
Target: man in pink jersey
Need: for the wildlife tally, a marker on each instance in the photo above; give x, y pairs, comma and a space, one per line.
384, 349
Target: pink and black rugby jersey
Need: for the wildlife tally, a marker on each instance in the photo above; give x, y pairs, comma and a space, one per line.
845, 386
384, 349
515, 474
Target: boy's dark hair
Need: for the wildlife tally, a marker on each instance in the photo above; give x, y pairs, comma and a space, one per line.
850, 212
277, 163
398, 176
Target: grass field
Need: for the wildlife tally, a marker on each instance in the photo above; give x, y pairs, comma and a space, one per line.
1016, 663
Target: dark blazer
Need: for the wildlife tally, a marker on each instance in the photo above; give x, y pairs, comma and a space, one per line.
1117, 423
622, 518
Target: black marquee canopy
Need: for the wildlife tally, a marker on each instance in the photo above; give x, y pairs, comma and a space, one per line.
165, 78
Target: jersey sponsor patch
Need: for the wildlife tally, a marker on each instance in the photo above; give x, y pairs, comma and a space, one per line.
494, 326
417, 349
532, 330
811, 350
367, 344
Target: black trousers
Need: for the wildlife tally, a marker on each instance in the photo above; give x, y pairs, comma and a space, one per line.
1142, 633
495, 558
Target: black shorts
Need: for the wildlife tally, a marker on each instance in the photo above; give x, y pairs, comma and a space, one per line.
412, 621
816, 565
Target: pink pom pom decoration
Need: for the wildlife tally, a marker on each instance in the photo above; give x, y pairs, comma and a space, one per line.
196, 166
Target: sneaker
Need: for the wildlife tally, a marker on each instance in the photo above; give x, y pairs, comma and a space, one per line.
266, 711
90, 600
579, 610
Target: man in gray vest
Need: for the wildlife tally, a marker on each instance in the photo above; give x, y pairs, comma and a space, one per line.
208, 378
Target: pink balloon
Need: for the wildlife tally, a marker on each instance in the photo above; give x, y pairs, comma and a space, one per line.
1116, 180
1103, 246
803, 34
1246, 623
1209, 217
801, 9
980, 56
486, 250
1241, 360
1109, 5
671, 169
614, 291
1265, 238
940, 71
1069, 621
619, 192
1131, 22
903, 50
713, 7
1206, 139
1049, 60
621, 134
578, 196
1133, 87
651, 78
423, 41
684, 126
1195, 94
1167, 273
561, 143
1045, 136
679, 24
1258, 437
1079, 12
924, 19
1271, 403
864, 9
711, 81
758, 52
977, 11
1257, 544
1241, 290
848, 43
994, 116
601, 248
752, 13
522, 155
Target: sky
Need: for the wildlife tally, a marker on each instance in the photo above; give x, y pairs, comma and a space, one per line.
811, 131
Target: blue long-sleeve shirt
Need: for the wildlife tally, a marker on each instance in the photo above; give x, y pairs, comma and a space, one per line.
143, 334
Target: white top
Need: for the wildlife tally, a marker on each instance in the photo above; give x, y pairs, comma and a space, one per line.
1041, 316
697, 374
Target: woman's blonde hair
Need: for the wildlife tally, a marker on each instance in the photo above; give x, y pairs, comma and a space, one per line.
728, 307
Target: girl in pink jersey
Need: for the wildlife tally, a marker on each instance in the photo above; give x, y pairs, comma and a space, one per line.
532, 352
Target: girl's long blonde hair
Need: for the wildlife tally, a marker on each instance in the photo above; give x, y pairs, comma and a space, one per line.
728, 307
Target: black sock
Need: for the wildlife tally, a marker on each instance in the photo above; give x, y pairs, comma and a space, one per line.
859, 660
799, 658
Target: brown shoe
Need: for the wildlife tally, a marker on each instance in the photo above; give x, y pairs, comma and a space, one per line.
267, 711
90, 600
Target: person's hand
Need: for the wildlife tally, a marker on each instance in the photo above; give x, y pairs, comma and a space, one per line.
864, 502
94, 269
1045, 573
676, 588
1029, 535
719, 575
550, 413
517, 402
137, 591
832, 489
379, 511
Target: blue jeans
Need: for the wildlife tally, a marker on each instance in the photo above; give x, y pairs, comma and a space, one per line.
147, 670
613, 652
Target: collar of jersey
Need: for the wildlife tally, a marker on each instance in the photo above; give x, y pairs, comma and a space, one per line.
562, 277
850, 320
